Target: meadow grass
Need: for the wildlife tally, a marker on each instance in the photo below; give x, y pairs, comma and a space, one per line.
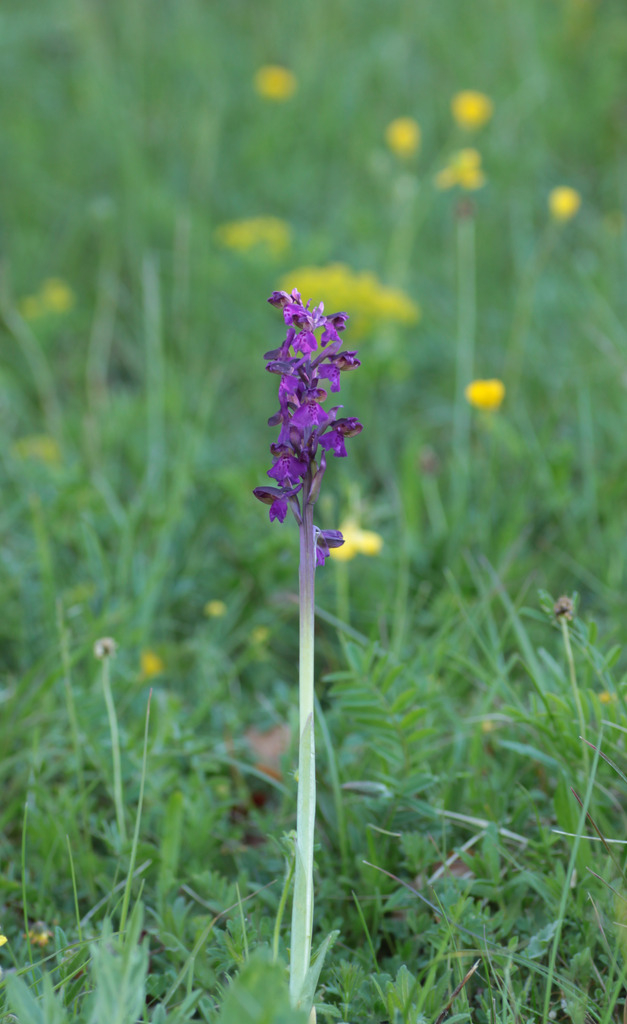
472, 776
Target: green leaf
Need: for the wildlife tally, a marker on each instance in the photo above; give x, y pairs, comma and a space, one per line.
310, 983
260, 995
538, 943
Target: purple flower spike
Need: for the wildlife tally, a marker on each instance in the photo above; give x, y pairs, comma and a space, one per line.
304, 424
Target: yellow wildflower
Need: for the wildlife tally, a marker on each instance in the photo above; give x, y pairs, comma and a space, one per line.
369, 301
471, 109
215, 609
486, 394
3, 939
39, 934
274, 82
151, 664
564, 202
607, 698
259, 635
243, 235
487, 725
356, 542
56, 295
403, 136
38, 446
463, 169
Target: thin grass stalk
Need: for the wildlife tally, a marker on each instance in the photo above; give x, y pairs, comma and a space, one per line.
25, 901
572, 675
115, 751
465, 353
140, 803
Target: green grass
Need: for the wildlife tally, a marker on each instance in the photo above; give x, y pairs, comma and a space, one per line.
451, 700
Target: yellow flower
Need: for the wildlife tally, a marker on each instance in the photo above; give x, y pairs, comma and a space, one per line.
243, 235
56, 295
274, 82
487, 725
360, 293
486, 394
3, 939
403, 136
356, 542
151, 664
564, 202
215, 609
260, 634
471, 109
607, 698
40, 447
39, 934
463, 169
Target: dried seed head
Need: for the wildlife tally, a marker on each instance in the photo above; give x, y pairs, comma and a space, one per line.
564, 608
105, 648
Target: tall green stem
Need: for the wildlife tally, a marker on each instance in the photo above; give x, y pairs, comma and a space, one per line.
572, 675
115, 751
465, 355
302, 912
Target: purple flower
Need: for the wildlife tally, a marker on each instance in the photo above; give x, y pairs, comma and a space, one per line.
326, 539
334, 442
304, 424
287, 469
332, 372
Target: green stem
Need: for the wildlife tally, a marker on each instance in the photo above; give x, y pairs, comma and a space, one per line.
576, 695
302, 911
465, 355
115, 750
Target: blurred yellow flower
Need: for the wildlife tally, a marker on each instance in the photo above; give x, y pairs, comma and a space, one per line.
341, 288
38, 446
356, 542
215, 609
260, 634
403, 136
243, 235
564, 203
486, 394
607, 698
463, 169
3, 939
487, 725
274, 82
471, 109
39, 934
151, 664
54, 296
